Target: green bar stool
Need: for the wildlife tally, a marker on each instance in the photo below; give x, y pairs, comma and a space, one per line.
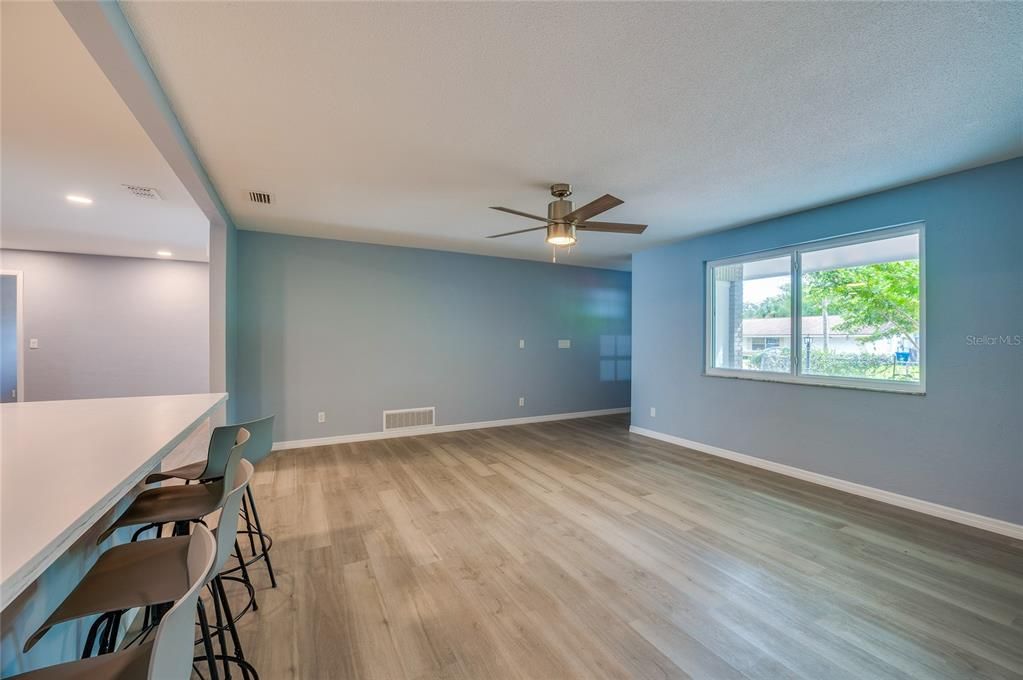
169, 655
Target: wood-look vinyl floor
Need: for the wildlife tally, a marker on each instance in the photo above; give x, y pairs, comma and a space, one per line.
575, 549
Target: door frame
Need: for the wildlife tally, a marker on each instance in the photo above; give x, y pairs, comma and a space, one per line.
19, 319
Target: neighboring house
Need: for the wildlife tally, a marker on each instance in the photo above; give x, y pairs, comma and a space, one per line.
761, 334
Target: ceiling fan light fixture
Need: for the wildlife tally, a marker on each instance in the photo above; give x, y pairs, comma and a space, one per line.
561, 234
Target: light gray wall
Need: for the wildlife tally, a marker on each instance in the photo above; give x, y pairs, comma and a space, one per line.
354, 329
961, 445
112, 326
218, 277
8, 338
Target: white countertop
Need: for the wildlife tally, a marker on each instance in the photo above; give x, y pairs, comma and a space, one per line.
64, 464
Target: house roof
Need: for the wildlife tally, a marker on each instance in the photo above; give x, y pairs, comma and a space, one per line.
812, 325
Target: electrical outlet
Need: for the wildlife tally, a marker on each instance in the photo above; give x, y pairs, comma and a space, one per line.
522, 343
321, 417
653, 412
522, 401
33, 343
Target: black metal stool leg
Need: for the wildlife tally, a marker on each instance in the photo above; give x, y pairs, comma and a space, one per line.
245, 575
248, 526
113, 628
218, 584
221, 637
90, 640
143, 529
207, 641
262, 536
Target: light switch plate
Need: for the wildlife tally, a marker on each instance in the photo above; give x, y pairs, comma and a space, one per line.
653, 412
564, 344
522, 343
33, 343
522, 401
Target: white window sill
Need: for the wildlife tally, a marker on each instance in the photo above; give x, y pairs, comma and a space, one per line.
891, 386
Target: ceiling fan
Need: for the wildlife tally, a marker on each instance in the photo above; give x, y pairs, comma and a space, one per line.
563, 219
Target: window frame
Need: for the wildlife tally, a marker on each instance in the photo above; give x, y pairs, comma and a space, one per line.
795, 253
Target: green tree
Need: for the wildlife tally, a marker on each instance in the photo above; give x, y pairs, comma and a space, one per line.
774, 307
777, 306
882, 298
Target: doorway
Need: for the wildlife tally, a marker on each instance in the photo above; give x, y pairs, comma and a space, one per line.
12, 360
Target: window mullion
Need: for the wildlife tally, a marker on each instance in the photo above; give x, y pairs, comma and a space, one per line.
796, 352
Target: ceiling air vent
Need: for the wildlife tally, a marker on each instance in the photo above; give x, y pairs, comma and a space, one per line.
261, 197
143, 192
409, 418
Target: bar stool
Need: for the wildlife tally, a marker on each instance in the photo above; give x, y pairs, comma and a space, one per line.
147, 573
259, 446
169, 655
222, 440
180, 505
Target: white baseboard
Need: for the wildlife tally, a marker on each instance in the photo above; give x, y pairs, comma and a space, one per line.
991, 524
437, 429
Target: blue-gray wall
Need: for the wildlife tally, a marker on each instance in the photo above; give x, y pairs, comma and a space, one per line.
231, 321
354, 329
961, 445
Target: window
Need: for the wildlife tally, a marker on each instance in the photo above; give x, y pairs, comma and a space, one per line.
615, 358
846, 311
760, 344
735, 283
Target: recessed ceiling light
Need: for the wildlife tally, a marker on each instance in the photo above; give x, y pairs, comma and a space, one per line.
164, 253
75, 198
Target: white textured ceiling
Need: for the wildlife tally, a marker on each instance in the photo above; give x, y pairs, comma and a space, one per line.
65, 131
400, 123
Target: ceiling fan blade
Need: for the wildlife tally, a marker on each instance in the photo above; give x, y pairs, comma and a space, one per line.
593, 208
617, 227
519, 213
520, 231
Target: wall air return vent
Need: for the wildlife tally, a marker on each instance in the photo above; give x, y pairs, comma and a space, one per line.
148, 193
409, 418
261, 197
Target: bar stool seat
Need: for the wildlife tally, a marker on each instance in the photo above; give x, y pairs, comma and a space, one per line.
168, 504
131, 664
192, 471
183, 503
223, 439
139, 574
167, 657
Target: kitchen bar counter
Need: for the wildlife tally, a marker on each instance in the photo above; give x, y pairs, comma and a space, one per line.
64, 464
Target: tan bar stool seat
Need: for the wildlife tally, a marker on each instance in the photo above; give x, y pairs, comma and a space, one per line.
131, 664
169, 655
192, 472
131, 575
177, 503
223, 439
168, 504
